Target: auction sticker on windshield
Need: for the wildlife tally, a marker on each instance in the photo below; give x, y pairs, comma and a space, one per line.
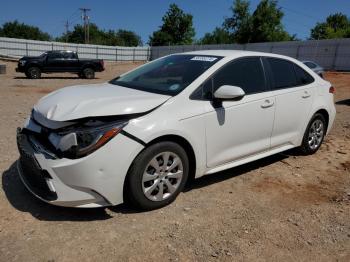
204, 58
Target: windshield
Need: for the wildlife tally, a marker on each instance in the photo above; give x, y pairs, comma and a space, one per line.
169, 75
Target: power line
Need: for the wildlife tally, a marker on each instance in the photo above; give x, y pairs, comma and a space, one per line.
74, 20
66, 25
300, 13
290, 21
69, 22
86, 18
76, 12
313, 18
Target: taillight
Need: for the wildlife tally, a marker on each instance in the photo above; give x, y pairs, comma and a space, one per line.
332, 90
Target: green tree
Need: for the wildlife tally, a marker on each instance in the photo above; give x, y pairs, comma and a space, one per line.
177, 28
101, 37
263, 25
239, 25
20, 30
336, 26
218, 36
128, 38
267, 23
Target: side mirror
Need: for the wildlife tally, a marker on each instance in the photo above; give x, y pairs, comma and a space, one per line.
227, 92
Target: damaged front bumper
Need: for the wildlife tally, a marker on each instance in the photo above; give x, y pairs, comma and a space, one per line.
92, 181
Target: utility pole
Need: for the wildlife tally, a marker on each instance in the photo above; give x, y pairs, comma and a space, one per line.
66, 25
85, 18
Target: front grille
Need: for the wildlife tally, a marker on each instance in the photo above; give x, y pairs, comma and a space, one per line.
31, 172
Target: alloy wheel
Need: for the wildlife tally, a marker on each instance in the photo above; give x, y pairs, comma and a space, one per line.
316, 133
162, 176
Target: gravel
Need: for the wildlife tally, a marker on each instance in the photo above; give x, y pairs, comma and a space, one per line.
282, 208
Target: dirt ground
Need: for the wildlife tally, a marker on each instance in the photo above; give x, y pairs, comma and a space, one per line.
282, 208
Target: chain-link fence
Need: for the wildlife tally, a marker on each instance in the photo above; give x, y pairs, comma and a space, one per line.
23, 47
332, 54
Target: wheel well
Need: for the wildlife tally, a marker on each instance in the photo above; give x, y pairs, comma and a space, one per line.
32, 65
182, 142
186, 145
325, 114
88, 66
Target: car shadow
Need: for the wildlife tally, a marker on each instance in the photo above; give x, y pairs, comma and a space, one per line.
22, 200
235, 171
343, 102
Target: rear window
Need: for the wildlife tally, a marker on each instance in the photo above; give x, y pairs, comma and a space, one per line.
283, 73
303, 78
68, 55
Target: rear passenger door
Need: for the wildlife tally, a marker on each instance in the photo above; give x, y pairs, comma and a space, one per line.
70, 62
294, 91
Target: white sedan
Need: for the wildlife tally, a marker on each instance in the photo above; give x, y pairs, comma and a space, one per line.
142, 135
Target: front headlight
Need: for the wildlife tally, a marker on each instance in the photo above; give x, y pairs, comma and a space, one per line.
22, 62
85, 140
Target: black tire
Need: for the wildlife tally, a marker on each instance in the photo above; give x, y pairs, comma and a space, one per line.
89, 73
33, 72
134, 189
306, 148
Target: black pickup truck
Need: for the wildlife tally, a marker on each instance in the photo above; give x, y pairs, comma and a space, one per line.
59, 61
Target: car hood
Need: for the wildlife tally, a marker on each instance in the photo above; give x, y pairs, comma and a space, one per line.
30, 57
82, 101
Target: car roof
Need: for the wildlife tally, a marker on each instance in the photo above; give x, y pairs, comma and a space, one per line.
60, 51
234, 53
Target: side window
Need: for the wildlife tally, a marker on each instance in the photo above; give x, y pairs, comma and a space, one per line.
247, 73
303, 78
204, 92
282, 73
55, 55
68, 55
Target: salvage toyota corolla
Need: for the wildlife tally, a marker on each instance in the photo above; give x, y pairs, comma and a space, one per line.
142, 135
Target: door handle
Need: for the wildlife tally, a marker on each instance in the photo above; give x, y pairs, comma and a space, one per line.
306, 94
267, 103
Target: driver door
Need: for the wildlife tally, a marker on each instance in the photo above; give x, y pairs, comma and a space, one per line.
54, 62
240, 128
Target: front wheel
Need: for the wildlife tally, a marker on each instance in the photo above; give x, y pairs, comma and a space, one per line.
157, 175
314, 134
33, 72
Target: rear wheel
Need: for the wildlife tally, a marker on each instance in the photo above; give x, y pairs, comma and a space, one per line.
314, 134
157, 175
89, 73
33, 72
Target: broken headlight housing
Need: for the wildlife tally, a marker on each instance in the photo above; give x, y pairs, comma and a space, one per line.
81, 141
